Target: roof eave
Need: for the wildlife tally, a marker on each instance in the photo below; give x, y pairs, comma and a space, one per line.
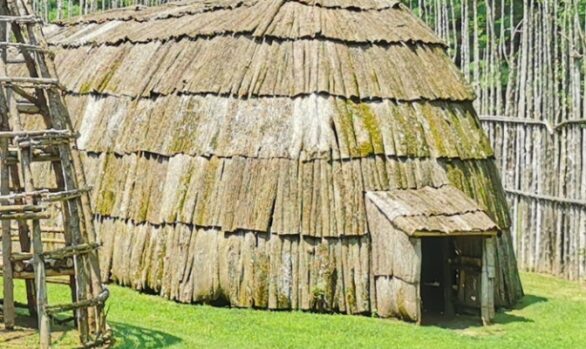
422, 234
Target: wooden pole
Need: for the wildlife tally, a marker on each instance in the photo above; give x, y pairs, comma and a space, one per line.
38, 262
9, 313
8, 303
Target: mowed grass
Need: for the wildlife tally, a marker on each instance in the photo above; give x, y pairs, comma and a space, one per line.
552, 315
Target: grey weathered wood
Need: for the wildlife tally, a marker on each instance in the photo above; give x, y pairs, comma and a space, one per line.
487, 282
28, 108
72, 217
61, 253
23, 216
38, 264
60, 308
31, 276
20, 46
22, 264
37, 248
396, 265
8, 297
398, 298
39, 133
76, 212
8, 288
66, 195
20, 19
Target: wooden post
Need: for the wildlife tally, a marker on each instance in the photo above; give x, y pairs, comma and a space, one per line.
447, 280
38, 264
487, 282
418, 262
41, 283
9, 313
8, 303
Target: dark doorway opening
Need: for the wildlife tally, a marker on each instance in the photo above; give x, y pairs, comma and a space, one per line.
437, 278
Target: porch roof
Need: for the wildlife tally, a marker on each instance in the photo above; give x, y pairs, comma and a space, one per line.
428, 211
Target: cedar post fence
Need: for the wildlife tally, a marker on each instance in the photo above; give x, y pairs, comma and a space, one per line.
544, 174
526, 60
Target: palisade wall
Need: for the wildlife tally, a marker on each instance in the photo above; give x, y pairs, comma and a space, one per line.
526, 60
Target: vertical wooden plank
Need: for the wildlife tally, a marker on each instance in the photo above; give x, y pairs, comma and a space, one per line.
275, 266
417, 260
261, 271
487, 282
293, 253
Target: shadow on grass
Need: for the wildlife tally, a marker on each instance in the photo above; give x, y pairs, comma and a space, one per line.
460, 322
25, 333
128, 336
529, 300
457, 322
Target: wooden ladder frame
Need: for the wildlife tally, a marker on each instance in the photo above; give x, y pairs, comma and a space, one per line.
21, 30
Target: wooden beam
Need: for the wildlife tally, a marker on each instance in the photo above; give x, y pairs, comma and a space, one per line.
26, 275
23, 216
65, 195
40, 133
24, 195
20, 19
20, 208
70, 251
541, 197
28, 108
99, 300
21, 46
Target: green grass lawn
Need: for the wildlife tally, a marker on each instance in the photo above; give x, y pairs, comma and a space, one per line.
552, 315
